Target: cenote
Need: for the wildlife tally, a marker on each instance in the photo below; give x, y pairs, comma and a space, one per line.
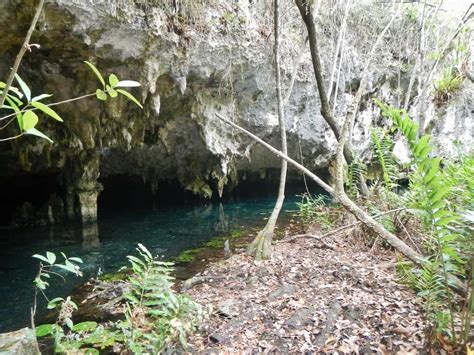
166, 229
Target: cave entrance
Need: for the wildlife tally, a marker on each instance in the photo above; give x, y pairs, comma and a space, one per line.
132, 192
25, 199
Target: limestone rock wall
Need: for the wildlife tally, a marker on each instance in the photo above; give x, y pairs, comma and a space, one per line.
217, 59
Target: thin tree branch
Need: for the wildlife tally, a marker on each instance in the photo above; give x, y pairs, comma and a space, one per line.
21, 53
279, 154
337, 230
11, 138
49, 105
340, 41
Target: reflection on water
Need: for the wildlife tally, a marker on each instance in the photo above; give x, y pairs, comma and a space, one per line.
104, 245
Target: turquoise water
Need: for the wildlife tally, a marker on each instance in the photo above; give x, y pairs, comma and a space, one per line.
104, 247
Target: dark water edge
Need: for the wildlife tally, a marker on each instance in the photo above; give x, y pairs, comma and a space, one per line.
104, 246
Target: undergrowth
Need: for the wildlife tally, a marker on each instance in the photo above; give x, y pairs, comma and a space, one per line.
440, 195
156, 317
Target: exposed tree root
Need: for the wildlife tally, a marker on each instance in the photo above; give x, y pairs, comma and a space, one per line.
261, 247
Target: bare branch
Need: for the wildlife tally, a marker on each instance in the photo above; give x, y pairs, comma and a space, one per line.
21, 53
279, 154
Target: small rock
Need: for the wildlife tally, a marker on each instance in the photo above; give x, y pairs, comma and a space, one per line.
21, 341
219, 338
228, 308
300, 318
285, 289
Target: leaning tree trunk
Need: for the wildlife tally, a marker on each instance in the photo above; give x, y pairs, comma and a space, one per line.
307, 15
261, 247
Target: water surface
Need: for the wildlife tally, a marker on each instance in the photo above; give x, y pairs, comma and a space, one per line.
104, 246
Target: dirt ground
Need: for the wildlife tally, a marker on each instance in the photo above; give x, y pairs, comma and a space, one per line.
336, 297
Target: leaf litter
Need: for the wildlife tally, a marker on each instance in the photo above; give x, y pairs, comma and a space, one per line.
309, 298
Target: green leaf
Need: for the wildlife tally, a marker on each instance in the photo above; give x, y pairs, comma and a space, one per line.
446, 220
76, 259
437, 205
88, 326
30, 120
11, 88
424, 152
441, 213
43, 330
19, 116
113, 93
145, 251
47, 110
41, 257
40, 97
51, 257
53, 303
90, 351
423, 142
135, 259
127, 84
101, 95
67, 268
438, 194
113, 80
17, 101
69, 323
26, 90
130, 97
96, 72
35, 132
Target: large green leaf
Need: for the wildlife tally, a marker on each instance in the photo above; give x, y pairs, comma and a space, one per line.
96, 72
113, 80
130, 97
47, 110
26, 90
41, 257
43, 330
88, 326
101, 95
30, 120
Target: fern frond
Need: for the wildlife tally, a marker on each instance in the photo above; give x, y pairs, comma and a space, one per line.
356, 172
383, 149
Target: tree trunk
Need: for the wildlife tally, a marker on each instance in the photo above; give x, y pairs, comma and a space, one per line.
261, 247
307, 16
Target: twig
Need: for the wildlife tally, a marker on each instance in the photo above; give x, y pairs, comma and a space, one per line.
22, 51
309, 236
11, 138
49, 105
408, 234
337, 230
